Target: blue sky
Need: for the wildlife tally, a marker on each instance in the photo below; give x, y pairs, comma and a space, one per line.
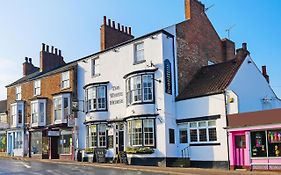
73, 27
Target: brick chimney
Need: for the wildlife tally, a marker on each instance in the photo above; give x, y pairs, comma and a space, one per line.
264, 73
28, 67
193, 7
112, 36
50, 60
228, 49
242, 52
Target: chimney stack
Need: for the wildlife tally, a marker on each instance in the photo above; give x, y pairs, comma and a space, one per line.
112, 36
193, 8
264, 73
28, 67
228, 48
242, 52
50, 60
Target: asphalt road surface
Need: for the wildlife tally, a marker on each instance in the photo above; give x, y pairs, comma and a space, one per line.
10, 167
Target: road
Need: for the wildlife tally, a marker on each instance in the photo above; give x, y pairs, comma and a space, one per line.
18, 167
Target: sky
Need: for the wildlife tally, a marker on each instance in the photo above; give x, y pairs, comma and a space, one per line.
73, 26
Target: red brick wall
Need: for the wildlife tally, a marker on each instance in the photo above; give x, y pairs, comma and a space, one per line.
197, 43
112, 35
49, 85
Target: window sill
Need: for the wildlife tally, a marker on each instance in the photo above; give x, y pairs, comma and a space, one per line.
65, 88
205, 144
139, 62
141, 103
101, 110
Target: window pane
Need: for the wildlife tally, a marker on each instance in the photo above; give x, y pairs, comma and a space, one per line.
202, 124
193, 135
65, 142
147, 87
183, 135
20, 110
92, 136
102, 135
172, 136
193, 125
202, 135
41, 112
137, 132
139, 52
274, 143
148, 126
212, 123
212, 134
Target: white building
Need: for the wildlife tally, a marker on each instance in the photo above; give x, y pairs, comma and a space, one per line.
157, 97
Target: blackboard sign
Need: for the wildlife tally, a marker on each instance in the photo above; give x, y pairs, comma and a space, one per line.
168, 76
123, 157
100, 155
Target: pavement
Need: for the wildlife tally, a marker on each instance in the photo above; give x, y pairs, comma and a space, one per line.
72, 167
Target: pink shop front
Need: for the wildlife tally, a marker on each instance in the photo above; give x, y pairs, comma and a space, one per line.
255, 140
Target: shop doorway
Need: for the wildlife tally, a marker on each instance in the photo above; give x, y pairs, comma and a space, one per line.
120, 145
54, 147
240, 147
121, 141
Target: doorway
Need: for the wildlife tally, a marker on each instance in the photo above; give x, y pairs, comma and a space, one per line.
240, 147
54, 147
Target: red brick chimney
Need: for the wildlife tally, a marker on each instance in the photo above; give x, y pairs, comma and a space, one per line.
28, 67
50, 60
228, 49
242, 52
193, 7
264, 73
112, 36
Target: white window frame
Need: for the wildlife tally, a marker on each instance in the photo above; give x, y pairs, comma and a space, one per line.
37, 87
18, 93
139, 53
15, 107
96, 98
35, 106
63, 114
95, 66
207, 127
97, 137
65, 80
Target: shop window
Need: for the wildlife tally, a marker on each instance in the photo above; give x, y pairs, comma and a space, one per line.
139, 89
18, 140
274, 143
141, 132
3, 142
65, 80
258, 144
65, 143
171, 136
96, 98
36, 143
97, 136
183, 135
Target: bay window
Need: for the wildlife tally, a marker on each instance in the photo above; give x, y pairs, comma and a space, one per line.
96, 98
141, 132
38, 113
97, 136
61, 108
17, 114
139, 89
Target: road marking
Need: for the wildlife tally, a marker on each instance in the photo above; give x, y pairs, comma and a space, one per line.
25, 165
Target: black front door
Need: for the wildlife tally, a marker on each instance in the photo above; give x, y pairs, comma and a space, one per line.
54, 147
121, 141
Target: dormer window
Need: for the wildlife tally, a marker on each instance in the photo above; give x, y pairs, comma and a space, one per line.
65, 80
95, 67
18, 93
139, 53
38, 113
61, 108
37, 87
17, 114
140, 89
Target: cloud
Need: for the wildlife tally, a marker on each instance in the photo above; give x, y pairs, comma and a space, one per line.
10, 71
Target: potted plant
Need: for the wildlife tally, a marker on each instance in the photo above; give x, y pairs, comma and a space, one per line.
139, 150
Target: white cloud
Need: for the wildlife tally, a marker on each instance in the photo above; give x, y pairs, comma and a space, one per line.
10, 71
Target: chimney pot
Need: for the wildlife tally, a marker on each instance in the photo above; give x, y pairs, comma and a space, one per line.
130, 30
30, 60
43, 46
104, 20
122, 28
47, 48
113, 24
56, 51
26, 59
264, 73
244, 46
118, 26
59, 52
109, 22
52, 49
126, 30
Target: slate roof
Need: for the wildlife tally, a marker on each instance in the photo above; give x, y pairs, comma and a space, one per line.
3, 106
212, 79
39, 74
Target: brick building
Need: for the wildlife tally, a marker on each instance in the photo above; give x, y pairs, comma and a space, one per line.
39, 108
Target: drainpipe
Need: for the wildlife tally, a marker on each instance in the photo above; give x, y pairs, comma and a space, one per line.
228, 151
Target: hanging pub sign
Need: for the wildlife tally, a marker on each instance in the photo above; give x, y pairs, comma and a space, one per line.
71, 120
168, 76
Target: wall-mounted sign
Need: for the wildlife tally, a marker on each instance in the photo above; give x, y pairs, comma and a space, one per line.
53, 133
116, 97
168, 76
71, 120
